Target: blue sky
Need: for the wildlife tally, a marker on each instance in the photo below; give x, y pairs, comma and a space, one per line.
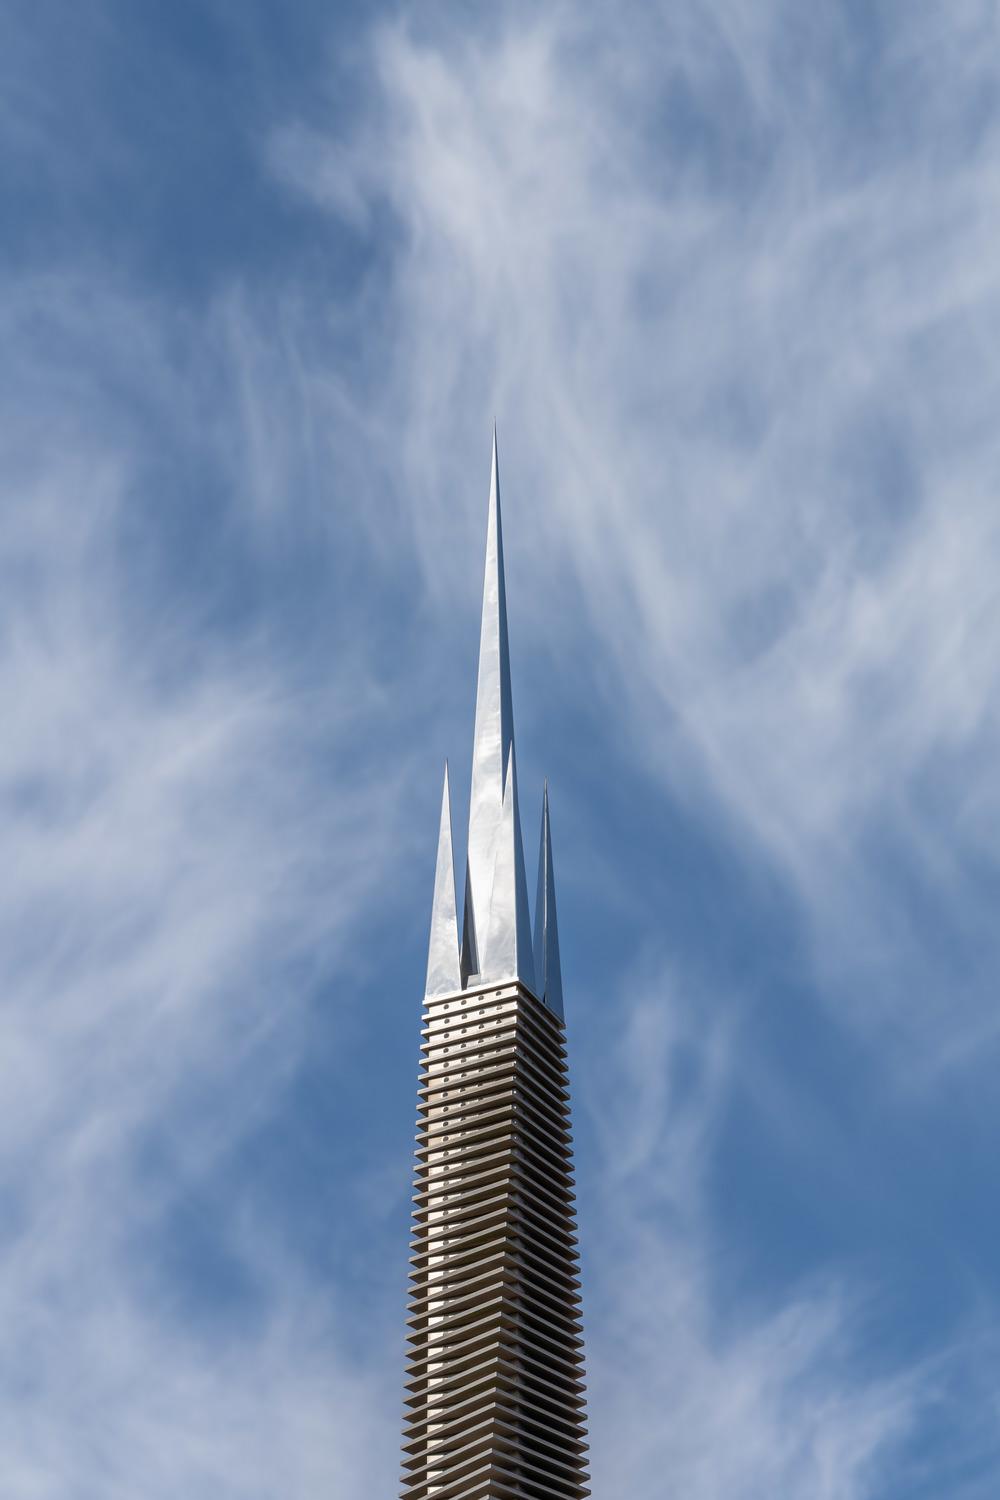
725, 273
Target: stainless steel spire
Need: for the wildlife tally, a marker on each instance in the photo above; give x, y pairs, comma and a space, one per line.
444, 973
548, 978
494, 1403
493, 739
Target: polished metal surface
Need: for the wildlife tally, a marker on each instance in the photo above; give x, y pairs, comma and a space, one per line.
495, 1404
507, 951
548, 976
489, 812
443, 968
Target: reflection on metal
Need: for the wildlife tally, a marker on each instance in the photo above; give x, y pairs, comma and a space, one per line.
493, 738
443, 971
507, 950
495, 1405
548, 978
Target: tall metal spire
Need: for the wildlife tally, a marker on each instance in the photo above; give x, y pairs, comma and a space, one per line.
548, 977
491, 751
494, 1400
496, 940
444, 974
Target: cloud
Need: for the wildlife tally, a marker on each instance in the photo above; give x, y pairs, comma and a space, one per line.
182, 881
686, 1394
725, 274
730, 292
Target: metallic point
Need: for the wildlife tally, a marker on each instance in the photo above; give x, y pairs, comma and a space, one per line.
444, 972
548, 977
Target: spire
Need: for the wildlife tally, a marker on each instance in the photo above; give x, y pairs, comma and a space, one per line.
507, 949
492, 742
548, 979
443, 971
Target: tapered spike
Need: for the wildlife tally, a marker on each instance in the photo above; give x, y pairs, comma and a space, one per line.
444, 974
507, 953
548, 977
494, 732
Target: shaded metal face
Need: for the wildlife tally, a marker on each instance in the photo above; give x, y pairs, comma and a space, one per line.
548, 977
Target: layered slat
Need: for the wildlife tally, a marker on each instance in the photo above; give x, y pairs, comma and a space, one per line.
495, 1367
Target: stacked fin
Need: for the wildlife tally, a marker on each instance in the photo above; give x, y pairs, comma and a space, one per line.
495, 1394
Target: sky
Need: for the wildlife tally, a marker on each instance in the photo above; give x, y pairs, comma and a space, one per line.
724, 273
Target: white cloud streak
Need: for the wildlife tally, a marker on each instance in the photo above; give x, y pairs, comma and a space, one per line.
687, 1399
746, 359
173, 842
741, 342
725, 272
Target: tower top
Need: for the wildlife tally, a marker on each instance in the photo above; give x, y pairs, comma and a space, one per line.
496, 939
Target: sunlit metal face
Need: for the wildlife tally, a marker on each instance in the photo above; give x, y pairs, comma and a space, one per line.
493, 736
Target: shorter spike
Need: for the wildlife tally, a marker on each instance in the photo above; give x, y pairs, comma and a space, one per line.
444, 975
547, 972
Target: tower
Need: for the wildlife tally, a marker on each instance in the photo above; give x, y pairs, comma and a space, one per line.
494, 1392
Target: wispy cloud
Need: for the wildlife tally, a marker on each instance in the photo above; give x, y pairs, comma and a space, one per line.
175, 849
725, 273
688, 1394
752, 388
